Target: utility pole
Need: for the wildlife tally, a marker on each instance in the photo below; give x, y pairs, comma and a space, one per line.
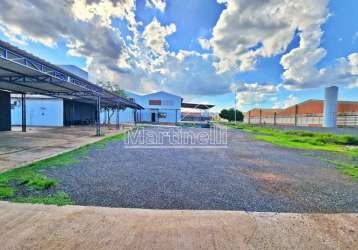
235, 103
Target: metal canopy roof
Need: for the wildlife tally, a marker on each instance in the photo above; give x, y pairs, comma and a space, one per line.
196, 106
22, 72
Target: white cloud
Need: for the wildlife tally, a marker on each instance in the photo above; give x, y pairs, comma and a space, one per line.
254, 93
141, 60
290, 101
152, 67
353, 63
13, 36
350, 65
89, 36
189, 73
355, 37
104, 10
204, 43
158, 4
89, 39
301, 72
248, 29
353, 84
155, 36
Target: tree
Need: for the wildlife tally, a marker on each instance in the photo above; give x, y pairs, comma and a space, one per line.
114, 88
229, 114
111, 87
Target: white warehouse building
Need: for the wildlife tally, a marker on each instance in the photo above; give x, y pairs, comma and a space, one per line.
159, 107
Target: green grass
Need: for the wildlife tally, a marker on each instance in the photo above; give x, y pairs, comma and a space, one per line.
346, 145
6, 191
59, 199
30, 176
102, 143
348, 169
303, 139
344, 167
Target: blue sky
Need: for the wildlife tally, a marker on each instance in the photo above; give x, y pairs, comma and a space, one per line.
265, 50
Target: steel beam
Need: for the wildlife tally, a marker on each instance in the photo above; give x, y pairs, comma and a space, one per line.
52, 73
117, 119
23, 112
98, 117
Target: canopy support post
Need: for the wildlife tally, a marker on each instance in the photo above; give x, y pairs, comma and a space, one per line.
136, 119
98, 116
117, 119
23, 112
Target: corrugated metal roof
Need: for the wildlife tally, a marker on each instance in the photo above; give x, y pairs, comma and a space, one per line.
22, 72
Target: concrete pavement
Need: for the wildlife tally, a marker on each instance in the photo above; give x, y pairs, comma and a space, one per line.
17, 148
25, 226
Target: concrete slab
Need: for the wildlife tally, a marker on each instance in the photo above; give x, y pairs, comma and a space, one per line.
25, 226
17, 148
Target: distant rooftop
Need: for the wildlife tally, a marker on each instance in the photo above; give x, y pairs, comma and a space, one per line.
196, 106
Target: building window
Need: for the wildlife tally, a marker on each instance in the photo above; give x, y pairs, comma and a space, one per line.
155, 102
162, 115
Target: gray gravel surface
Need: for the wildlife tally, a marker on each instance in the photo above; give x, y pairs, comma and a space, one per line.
246, 175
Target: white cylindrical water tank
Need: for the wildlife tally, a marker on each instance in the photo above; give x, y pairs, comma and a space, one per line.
330, 107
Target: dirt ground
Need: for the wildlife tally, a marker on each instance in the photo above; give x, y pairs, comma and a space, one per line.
17, 148
25, 226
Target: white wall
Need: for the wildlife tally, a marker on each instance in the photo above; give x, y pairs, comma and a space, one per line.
170, 105
125, 116
146, 115
39, 112
170, 118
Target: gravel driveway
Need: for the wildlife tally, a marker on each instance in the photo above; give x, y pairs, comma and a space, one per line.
246, 175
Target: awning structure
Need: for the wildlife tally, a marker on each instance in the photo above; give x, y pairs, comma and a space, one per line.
197, 106
195, 116
24, 73
21, 72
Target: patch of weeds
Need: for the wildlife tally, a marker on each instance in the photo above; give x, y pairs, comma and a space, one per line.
347, 169
31, 177
299, 143
6, 191
350, 170
302, 139
37, 181
59, 199
300, 133
100, 144
345, 145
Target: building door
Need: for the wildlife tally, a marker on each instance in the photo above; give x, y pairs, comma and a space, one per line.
153, 117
